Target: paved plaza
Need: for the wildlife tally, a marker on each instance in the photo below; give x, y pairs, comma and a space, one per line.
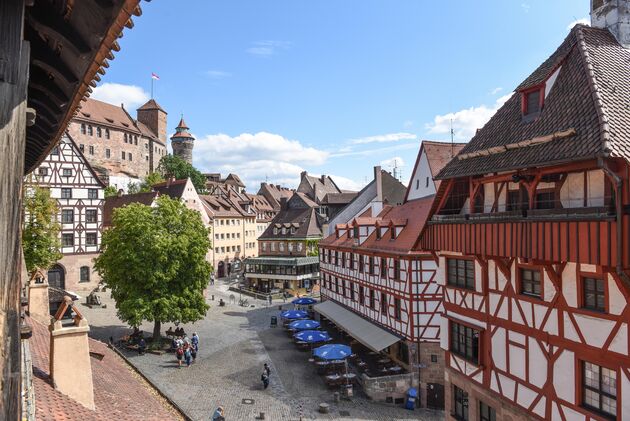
235, 342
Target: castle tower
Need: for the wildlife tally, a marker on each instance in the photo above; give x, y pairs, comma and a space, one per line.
183, 142
154, 117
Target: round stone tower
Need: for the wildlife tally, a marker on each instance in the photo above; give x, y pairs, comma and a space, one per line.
182, 142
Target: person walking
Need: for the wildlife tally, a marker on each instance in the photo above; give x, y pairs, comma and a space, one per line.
219, 414
265, 379
180, 355
267, 369
195, 341
142, 346
187, 355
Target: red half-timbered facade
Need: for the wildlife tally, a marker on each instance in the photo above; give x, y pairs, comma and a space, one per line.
80, 195
373, 267
531, 228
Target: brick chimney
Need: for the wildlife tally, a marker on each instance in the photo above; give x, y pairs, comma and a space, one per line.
377, 204
70, 365
613, 15
38, 303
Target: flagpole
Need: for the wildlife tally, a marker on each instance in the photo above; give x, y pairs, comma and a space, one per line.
151, 86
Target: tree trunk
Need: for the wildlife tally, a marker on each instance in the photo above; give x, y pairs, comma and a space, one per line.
157, 327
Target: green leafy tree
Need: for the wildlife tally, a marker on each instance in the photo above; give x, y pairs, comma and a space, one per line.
150, 180
154, 261
133, 188
111, 191
174, 166
40, 236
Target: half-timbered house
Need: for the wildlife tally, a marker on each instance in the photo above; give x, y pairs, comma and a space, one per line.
372, 269
79, 194
531, 227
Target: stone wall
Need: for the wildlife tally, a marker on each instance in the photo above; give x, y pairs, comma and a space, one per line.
72, 264
139, 165
388, 387
504, 410
430, 371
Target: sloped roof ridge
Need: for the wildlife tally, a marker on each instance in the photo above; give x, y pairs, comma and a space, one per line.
592, 79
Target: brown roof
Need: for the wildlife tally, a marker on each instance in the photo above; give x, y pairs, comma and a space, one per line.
216, 206
300, 212
440, 153
119, 393
274, 193
115, 202
586, 113
106, 114
152, 105
411, 215
317, 187
182, 124
173, 188
339, 198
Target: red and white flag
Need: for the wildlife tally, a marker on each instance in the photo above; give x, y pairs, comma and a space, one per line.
154, 76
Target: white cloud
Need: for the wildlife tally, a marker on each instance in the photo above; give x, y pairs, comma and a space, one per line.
465, 122
115, 93
256, 157
217, 74
496, 90
391, 162
369, 152
583, 21
267, 48
391, 137
346, 184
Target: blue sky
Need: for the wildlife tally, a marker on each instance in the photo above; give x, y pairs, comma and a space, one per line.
271, 88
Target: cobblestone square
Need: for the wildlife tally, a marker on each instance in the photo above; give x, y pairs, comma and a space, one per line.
235, 342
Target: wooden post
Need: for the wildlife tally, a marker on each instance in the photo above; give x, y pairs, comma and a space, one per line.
14, 56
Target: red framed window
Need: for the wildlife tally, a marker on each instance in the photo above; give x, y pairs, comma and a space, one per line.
465, 341
530, 282
593, 294
532, 101
397, 309
599, 389
460, 273
383, 267
383, 303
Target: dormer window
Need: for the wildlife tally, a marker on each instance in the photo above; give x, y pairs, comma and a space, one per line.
532, 102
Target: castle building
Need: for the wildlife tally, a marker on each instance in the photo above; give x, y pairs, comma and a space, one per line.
120, 148
183, 142
530, 225
79, 194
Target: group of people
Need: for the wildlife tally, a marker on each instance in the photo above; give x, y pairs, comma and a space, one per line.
186, 349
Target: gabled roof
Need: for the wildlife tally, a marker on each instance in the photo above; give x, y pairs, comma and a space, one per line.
152, 105
119, 393
338, 198
219, 207
274, 193
306, 221
173, 188
585, 115
106, 114
411, 216
317, 187
115, 202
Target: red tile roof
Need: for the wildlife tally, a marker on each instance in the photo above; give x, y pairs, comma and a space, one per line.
412, 215
119, 393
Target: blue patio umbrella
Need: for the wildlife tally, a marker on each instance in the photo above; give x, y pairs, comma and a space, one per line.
306, 324
304, 301
294, 314
332, 352
312, 336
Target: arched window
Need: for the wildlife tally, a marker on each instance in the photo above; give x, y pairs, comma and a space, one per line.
85, 274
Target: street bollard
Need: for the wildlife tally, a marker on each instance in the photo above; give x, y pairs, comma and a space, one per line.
212, 297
